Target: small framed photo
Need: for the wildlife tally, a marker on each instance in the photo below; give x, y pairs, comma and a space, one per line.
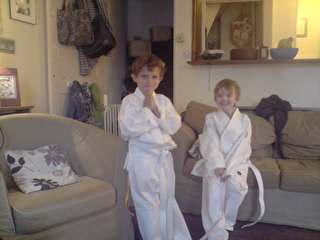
23, 10
9, 87
302, 28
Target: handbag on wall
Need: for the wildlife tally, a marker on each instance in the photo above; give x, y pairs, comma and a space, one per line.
104, 40
74, 24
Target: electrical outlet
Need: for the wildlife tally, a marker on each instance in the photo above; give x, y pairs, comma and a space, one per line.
180, 38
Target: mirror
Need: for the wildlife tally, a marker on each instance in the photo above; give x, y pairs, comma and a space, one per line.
247, 28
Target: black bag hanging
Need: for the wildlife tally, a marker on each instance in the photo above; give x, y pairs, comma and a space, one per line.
104, 41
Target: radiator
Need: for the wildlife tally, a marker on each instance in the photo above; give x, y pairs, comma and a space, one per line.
111, 119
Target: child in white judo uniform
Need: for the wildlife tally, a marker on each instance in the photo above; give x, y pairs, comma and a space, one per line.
146, 121
225, 149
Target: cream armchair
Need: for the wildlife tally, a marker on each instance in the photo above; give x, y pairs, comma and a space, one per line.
92, 209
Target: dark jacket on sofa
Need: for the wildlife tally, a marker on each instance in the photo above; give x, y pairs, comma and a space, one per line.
278, 108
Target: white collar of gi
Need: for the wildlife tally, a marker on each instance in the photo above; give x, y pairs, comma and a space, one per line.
235, 114
229, 124
140, 95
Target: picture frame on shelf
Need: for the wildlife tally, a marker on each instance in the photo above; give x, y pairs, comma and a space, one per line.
9, 87
23, 10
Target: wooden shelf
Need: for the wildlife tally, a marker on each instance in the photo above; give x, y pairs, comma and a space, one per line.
259, 61
15, 110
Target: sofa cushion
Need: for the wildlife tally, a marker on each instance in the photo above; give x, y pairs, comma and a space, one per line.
264, 151
262, 132
300, 175
269, 170
268, 167
195, 115
301, 135
42, 210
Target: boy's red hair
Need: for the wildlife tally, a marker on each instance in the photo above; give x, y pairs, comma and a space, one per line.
150, 62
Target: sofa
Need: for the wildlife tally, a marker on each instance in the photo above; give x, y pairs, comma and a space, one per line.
93, 208
292, 185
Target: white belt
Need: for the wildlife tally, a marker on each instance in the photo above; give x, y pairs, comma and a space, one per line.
258, 176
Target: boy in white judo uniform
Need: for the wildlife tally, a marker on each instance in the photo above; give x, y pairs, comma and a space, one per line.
147, 120
225, 149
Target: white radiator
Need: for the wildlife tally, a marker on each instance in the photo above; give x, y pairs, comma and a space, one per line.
111, 119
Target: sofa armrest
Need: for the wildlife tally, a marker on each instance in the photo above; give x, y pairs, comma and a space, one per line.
100, 156
184, 138
6, 219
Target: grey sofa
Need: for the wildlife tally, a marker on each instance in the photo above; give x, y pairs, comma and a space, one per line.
93, 209
292, 186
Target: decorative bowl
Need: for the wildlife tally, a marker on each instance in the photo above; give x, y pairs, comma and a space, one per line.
283, 53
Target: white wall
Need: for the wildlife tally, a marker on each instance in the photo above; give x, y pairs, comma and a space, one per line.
299, 84
284, 20
309, 46
63, 63
142, 14
29, 57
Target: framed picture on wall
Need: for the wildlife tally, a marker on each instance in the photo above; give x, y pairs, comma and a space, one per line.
302, 28
23, 10
9, 87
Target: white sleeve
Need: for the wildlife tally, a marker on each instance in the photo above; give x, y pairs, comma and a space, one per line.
210, 147
170, 120
135, 120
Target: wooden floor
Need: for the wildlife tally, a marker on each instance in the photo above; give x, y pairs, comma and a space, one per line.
260, 231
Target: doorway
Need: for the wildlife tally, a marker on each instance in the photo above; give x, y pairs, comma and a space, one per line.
150, 30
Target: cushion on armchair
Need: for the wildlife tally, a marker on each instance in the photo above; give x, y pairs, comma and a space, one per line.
42, 210
43, 168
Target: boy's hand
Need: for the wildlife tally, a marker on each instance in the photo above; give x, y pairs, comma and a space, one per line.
150, 103
219, 172
225, 178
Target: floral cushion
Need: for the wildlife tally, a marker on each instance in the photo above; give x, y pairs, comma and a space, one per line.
40, 169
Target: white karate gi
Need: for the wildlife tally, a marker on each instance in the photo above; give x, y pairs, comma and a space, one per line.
225, 143
150, 166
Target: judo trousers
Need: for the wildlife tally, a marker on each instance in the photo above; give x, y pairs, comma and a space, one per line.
220, 203
152, 184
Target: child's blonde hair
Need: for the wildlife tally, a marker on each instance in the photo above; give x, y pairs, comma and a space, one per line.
229, 85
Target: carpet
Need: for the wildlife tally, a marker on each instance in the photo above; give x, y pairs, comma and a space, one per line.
260, 231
